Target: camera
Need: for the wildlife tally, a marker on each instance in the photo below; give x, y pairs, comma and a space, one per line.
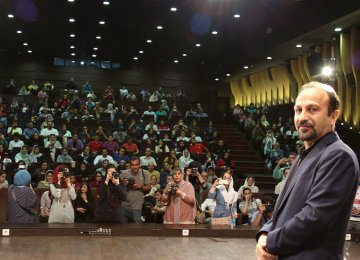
270, 207
174, 188
224, 182
66, 173
131, 181
194, 171
115, 175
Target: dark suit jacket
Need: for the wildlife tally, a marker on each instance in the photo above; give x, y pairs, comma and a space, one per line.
310, 218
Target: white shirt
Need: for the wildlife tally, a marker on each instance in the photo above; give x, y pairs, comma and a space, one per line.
48, 132
13, 144
144, 161
101, 158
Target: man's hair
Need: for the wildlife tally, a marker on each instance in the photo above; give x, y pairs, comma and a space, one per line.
246, 188
334, 101
135, 158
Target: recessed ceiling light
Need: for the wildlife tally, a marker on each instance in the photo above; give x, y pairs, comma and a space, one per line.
98, 37
141, 52
173, 9
176, 61
350, 127
136, 58
159, 27
298, 45
72, 54
214, 32
73, 61
71, 1
72, 47
95, 48
246, 67
71, 20
72, 35
25, 44
101, 22
149, 41
11, 16
269, 58
94, 55
228, 75
92, 62
29, 51
19, 31
198, 45
216, 79
82, 62
236, 16
184, 54
106, 2
338, 29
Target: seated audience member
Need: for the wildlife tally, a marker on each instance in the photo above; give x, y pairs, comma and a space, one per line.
22, 199
111, 194
14, 129
264, 212
45, 205
111, 145
147, 158
280, 185
84, 135
86, 156
131, 147
35, 155
155, 186
103, 168
275, 155
172, 160
95, 184
15, 142
149, 112
30, 130
103, 156
185, 159
163, 126
211, 174
248, 206
208, 162
150, 134
152, 172
95, 145
62, 210
53, 144
3, 182
282, 164
249, 183
39, 173
225, 163
173, 116
268, 142
83, 172
35, 139
164, 174
180, 198
123, 92
161, 147
45, 183
182, 137
74, 145
74, 182
64, 157
208, 206
121, 158
23, 155
223, 192
155, 213
84, 204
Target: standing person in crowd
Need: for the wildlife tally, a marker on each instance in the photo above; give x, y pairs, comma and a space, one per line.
62, 210
180, 198
22, 199
84, 204
3, 182
111, 194
137, 182
313, 209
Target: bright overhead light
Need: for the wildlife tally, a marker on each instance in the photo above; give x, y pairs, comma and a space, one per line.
159, 27
94, 55
173, 9
95, 48
176, 61
71, 1
101, 22
246, 67
106, 2
236, 16
228, 75
338, 29
136, 58
214, 32
198, 45
71, 20
298, 45
141, 52
82, 62
29, 51
11, 16
98, 37
25, 44
72, 54
184, 54
269, 58
327, 71
18, 31
149, 41
72, 35
73, 61
216, 79
72, 47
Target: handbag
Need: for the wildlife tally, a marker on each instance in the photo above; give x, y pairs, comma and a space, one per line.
31, 212
200, 215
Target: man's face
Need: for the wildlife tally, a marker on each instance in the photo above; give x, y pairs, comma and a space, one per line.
151, 167
24, 150
75, 137
135, 166
311, 115
31, 125
104, 152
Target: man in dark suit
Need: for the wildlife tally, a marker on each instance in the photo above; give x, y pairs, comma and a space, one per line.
312, 212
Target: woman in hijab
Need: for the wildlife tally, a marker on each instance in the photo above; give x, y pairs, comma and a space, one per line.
185, 159
35, 155
180, 198
226, 197
45, 184
250, 183
22, 199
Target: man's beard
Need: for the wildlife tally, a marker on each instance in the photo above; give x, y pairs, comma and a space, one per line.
309, 135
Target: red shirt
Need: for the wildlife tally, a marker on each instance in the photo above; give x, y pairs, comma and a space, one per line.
131, 147
197, 148
95, 146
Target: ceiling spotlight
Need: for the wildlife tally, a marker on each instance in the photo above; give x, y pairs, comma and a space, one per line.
71, 20
141, 52
338, 29
25, 44
71, 1
29, 51
72, 47
136, 58
228, 75
106, 2
173, 9
269, 58
10, 16
82, 62
198, 45
72, 35
98, 37
176, 61
18, 31
149, 41
101, 22
298, 45
246, 67
95, 48
236, 16
216, 79
159, 27
350, 127
94, 55
72, 54
184, 54
342, 123
72, 61
214, 32
327, 71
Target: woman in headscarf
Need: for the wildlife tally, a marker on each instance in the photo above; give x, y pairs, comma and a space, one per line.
22, 199
45, 184
61, 210
180, 198
35, 155
250, 183
226, 197
185, 159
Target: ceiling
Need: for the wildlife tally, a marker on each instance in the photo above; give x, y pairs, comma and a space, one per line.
263, 25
